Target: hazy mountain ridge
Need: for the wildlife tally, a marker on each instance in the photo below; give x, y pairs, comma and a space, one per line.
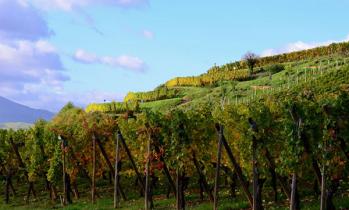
13, 112
15, 125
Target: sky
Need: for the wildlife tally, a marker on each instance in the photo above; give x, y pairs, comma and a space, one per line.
83, 51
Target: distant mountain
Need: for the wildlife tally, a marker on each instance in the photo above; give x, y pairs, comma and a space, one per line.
15, 125
13, 112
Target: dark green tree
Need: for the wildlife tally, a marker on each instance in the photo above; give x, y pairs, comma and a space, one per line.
251, 60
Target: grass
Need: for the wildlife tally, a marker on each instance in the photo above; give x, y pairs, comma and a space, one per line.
134, 202
161, 105
162, 203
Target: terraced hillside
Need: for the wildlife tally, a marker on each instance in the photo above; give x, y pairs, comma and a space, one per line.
286, 122
272, 74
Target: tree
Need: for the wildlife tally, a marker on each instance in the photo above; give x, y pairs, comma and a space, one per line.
251, 60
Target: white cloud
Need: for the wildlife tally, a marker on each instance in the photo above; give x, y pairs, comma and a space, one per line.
25, 58
26, 61
30, 69
298, 46
30, 66
148, 34
21, 21
66, 5
78, 7
23, 3
45, 47
124, 61
70, 5
85, 57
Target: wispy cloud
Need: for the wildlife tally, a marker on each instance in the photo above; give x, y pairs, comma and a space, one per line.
70, 5
25, 57
148, 34
298, 46
85, 57
28, 63
79, 7
124, 61
21, 21
25, 63
31, 70
88, 19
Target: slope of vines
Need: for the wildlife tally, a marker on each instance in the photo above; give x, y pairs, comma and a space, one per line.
238, 70
297, 134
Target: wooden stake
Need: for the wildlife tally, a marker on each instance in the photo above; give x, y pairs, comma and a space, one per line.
116, 175
128, 152
293, 205
93, 191
219, 155
178, 200
238, 170
64, 200
202, 177
255, 173
146, 197
323, 189
110, 165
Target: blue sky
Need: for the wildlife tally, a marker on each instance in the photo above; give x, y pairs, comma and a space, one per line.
56, 51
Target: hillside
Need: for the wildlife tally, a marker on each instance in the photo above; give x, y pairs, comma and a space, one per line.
279, 123
14, 112
271, 74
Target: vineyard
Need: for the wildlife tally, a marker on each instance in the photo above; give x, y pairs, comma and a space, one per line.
277, 139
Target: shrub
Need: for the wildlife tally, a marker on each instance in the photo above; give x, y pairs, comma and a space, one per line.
275, 68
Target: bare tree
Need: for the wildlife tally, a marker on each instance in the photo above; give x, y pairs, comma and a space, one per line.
251, 60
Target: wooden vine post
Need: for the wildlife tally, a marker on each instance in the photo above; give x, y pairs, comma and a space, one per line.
202, 178
66, 179
178, 201
116, 178
93, 190
255, 174
323, 182
128, 152
284, 184
166, 171
22, 165
146, 197
256, 200
297, 120
323, 203
63, 145
110, 165
293, 202
219, 156
323, 189
237, 169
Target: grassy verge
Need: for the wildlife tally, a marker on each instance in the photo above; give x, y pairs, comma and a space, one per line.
193, 202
